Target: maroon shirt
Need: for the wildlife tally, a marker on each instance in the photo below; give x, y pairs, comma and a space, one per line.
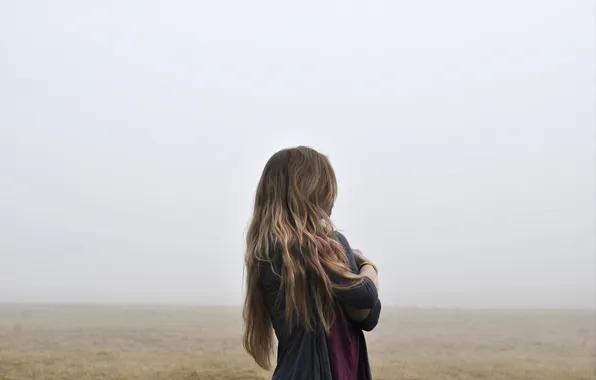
343, 346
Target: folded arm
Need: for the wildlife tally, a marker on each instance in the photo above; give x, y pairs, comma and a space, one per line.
361, 303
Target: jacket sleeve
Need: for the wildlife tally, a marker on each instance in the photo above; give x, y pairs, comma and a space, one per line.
365, 295
371, 321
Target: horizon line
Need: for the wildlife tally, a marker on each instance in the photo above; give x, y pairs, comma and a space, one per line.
239, 306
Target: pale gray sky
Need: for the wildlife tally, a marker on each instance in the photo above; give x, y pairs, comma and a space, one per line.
133, 133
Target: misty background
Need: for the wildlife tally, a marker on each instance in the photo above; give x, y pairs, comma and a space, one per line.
133, 134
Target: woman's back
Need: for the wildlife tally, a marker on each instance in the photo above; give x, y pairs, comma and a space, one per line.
313, 354
299, 352
302, 278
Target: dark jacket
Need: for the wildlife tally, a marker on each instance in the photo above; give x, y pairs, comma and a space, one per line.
302, 354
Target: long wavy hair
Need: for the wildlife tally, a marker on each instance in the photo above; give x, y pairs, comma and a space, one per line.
291, 217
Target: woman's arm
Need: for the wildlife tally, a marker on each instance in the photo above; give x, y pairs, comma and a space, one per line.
360, 300
359, 315
366, 318
372, 319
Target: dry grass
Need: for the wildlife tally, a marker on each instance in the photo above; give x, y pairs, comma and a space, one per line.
80, 343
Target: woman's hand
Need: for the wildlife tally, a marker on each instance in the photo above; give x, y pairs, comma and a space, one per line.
360, 258
367, 270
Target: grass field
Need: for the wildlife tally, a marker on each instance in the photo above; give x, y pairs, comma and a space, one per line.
79, 343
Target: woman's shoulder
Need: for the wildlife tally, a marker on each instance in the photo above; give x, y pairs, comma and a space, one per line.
344, 242
347, 248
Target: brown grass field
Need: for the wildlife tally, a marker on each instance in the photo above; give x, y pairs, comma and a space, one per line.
192, 343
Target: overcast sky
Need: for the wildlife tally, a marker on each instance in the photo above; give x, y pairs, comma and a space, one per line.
133, 134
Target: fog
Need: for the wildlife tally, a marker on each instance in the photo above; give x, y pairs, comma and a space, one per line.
133, 134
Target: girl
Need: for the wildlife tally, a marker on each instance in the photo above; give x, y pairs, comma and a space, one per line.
304, 282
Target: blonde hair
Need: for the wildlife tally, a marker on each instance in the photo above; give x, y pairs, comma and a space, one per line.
291, 217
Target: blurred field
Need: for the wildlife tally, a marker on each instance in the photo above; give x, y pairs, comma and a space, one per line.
81, 343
